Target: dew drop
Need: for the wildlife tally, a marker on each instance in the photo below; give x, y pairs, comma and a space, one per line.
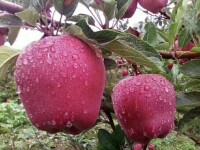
53, 122
75, 57
166, 90
138, 83
86, 82
146, 87
37, 80
85, 111
53, 50
144, 133
25, 61
69, 124
75, 65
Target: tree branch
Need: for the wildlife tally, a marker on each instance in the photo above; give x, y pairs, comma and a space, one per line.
179, 55
10, 7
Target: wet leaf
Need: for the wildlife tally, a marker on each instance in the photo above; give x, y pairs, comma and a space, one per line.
187, 101
29, 15
8, 57
191, 69
65, 7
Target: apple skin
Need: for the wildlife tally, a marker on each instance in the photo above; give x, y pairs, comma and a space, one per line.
60, 81
154, 6
131, 10
145, 106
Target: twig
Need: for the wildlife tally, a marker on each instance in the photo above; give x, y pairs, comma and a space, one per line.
179, 54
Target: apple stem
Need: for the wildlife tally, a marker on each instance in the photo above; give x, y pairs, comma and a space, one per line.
108, 114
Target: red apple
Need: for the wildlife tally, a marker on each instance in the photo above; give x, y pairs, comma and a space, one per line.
3, 34
188, 47
138, 147
124, 72
170, 66
145, 106
60, 81
133, 32
153, 6
151, 147
131, 10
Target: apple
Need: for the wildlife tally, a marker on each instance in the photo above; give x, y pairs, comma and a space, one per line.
60, 81
131, 10
138, 147
133, 32
124, 72
151, 147
145, 106
3, 34
188, 47
154, 6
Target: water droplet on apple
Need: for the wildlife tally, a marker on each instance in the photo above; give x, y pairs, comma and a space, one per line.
25, 61
86, 82
75, 57
53, 122
53, 50
166, 90
75, 65
138, 83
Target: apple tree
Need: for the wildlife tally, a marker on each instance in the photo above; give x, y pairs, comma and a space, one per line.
90, 68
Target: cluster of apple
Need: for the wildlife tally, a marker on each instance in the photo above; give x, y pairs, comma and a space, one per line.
61, 81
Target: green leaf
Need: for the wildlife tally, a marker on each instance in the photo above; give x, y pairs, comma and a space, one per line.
131, 54
12, 34
190, 119
162, 46
184, 38
39, 5
29, 15
79, 17
8, 57
105, 140
186, 101
65, 7
151, 34
177, 19
119, 136
109, 9
191, 69
193, 85
10, 20
129, 47
109, 63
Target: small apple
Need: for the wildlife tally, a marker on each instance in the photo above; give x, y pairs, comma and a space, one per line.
154, 6
124, 72
188, 47
145, 106
138, 147
60, 80
131, 10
